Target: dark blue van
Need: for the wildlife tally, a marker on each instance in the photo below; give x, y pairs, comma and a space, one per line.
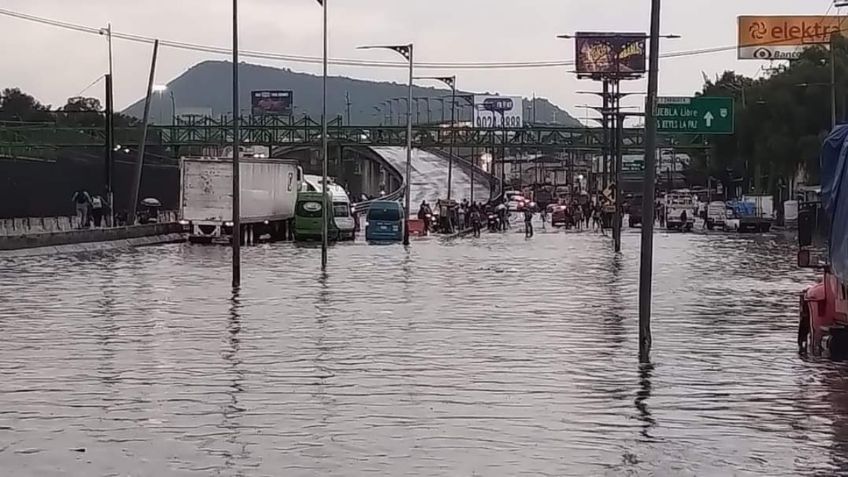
384, 222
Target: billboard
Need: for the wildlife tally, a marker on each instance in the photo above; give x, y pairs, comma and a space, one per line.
276, 103
610, 54
492, 111
784, 37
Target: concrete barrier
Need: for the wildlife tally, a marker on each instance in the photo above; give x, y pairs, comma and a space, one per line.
51, 224
95, 246
36, 225
67, 237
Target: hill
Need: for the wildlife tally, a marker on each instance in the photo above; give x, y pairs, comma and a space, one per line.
206, 87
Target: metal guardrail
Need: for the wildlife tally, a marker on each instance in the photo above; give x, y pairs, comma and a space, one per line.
363, 206
199, 132
398, 194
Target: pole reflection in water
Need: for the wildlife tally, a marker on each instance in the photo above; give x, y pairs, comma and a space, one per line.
236, 453
642, 397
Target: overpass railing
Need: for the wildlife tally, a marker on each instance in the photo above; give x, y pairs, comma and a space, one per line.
266, 131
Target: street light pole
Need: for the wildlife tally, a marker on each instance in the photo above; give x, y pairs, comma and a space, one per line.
139, 166
407, 52
325, 217
236, 157
648, 191
408, 148
451, 82
110, 128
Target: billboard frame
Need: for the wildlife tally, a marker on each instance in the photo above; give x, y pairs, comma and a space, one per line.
255, 110
619, 41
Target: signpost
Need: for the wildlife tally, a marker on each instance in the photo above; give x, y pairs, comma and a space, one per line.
698, 115
492, 111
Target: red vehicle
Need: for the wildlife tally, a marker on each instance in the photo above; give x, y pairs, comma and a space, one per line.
823, 324
560, 215
823, 316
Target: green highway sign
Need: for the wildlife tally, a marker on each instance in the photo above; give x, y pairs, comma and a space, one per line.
698, 115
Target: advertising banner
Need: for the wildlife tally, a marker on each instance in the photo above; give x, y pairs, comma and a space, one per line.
277, 103
610, 54
784, 37
491, 111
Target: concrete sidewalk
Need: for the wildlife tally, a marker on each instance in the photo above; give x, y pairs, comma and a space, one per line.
85, 236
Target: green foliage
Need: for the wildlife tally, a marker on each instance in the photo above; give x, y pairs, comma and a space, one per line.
781, 119
19, 107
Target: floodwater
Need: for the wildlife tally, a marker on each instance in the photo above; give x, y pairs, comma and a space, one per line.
495, 356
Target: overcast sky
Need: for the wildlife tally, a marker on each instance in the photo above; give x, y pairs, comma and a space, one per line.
54, 64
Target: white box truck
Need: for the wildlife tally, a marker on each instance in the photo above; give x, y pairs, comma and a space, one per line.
269, 190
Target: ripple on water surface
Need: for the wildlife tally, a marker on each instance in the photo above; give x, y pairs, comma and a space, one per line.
496, 356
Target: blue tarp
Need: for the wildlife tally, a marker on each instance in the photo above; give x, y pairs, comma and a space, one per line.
835, 197
743, 209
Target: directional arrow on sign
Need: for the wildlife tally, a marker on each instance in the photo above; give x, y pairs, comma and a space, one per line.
699, 114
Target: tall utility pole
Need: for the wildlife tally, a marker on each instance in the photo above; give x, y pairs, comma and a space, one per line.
443, 109
619, 151
347, 106
408, 146
450, 81
110, 128
110, 148
405, 51
417, 111
534, 108
139, 165
648, 192
503, 149
236, 156
614, 117
325, 217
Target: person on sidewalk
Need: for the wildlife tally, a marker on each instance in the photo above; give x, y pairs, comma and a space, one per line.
82, 200
98, 206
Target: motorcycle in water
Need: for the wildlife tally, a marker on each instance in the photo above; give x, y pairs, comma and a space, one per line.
494, 223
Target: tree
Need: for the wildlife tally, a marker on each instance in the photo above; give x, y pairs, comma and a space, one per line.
21, 107
81, 111
780, 120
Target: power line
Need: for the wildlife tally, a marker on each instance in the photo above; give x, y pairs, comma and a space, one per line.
99, 78
483, 65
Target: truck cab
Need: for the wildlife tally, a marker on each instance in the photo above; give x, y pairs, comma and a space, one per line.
823, 245
679, 210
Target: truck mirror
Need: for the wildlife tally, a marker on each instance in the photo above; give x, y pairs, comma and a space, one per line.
805, 228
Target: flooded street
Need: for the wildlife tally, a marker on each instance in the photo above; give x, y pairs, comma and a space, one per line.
494, 356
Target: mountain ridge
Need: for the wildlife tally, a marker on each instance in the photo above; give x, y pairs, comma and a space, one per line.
199, 89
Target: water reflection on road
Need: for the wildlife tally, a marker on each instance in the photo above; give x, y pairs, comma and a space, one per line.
494, 356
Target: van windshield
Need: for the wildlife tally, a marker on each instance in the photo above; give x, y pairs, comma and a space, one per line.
341, 209
384, 213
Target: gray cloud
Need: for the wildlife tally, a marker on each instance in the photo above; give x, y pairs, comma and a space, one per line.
54, 64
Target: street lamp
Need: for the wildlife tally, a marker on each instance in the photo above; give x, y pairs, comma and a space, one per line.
450, 81
324, 217
161, 88
406, 52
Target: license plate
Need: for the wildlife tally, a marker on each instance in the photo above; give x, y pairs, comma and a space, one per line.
384, 227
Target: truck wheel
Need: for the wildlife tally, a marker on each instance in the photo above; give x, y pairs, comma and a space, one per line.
710, 225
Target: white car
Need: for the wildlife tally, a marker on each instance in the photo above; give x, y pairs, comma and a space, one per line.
515, 202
